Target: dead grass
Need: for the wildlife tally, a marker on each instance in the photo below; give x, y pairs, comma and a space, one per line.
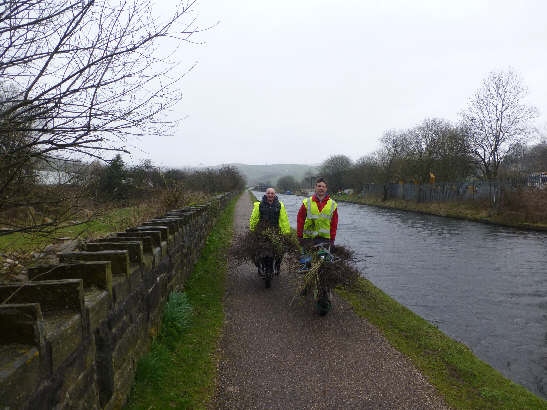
525, 208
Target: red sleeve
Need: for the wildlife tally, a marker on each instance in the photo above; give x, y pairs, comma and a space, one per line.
333, 225
300, 219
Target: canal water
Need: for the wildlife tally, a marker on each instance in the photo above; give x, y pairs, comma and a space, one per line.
483, 285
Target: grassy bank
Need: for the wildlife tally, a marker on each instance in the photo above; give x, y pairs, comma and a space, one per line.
179, 372
100, 222
112, 220
463, 380
514, 215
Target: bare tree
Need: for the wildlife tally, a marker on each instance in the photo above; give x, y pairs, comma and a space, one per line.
496, 119
366, 169
432, 148
536, 157
525, 160
287, 183
393, 154
336, 170
81, 77
441, 150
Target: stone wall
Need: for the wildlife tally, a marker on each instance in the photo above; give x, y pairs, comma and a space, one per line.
71, 336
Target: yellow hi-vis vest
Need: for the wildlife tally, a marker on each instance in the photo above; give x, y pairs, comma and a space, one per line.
317, 223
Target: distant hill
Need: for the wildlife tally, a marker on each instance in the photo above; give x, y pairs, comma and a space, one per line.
270, 174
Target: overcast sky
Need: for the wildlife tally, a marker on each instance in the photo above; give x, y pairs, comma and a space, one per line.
297, 81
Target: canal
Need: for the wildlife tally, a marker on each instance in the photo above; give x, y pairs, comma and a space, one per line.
483, 285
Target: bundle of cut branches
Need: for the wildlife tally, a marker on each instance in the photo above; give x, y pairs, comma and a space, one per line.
330, 272
264, 240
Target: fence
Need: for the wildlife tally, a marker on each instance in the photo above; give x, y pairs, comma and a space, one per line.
453, 191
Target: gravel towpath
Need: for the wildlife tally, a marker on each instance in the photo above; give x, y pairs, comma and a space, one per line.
276, 352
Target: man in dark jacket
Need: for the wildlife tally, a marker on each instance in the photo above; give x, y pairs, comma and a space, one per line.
272, 212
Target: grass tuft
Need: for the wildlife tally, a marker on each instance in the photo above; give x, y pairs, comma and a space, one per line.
177, 317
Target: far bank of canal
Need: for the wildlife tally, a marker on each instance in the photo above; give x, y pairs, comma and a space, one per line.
481, 284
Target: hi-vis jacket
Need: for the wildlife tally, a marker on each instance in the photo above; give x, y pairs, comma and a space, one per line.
274, 214
317, 218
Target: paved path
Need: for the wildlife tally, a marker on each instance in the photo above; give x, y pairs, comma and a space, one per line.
277, 353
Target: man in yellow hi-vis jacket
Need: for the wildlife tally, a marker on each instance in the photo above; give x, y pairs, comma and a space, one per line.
318, 215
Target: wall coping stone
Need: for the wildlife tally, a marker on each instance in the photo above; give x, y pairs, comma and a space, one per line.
163, 231
93, 273
119, 259
134, 248
20, 323
171, 223
147, 240
53, 295
146, 232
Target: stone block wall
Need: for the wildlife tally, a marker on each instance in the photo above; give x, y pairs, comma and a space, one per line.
71, 336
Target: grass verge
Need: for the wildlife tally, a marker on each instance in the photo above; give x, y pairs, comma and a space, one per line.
478, 211
179, 371
462, 379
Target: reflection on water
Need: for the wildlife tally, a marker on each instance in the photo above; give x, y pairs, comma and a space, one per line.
483, 285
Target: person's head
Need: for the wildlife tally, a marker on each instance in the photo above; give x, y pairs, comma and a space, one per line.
270, 195
320, 187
